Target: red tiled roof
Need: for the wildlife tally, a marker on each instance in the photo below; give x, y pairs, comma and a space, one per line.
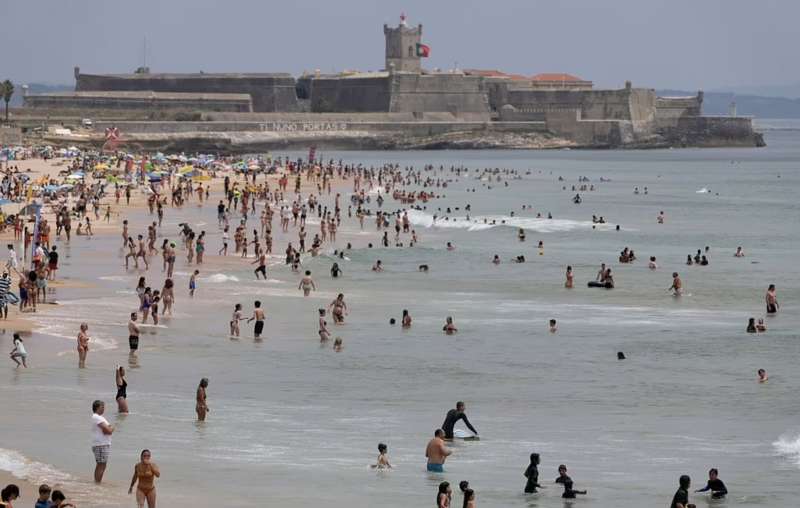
555, 76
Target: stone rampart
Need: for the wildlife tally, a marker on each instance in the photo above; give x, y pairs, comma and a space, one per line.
269, 92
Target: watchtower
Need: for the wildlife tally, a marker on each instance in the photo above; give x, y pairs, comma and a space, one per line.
401, 47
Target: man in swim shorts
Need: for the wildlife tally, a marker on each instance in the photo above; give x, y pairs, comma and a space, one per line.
437, 452
452, 417
258, 316
133, 334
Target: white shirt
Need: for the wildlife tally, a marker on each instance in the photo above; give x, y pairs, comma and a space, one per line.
12, 258
98, 438
20, 347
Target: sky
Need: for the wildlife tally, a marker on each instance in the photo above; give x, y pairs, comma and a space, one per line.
679, 44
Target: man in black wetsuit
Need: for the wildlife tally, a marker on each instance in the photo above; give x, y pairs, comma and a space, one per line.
452, 417
715, 485
681, 498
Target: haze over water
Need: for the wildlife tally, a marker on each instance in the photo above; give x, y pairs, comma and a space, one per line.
294, 423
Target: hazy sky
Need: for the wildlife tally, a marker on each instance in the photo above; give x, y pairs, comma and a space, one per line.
688, 44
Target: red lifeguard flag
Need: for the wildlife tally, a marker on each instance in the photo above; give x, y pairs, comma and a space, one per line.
423, 51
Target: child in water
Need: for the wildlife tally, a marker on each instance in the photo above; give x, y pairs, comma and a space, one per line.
553, 326
383, 458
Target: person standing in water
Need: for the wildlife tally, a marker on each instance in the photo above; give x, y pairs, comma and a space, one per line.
262, 265
772, 300
83, 345
453, 416
449, 328
383, 458
436, 452
444, 495
201, 406
569, 276
235, 318
19, 353
133, 334
681, 497
677, 285
532, 474
145, 472
101, 439
324, 334
715, 485
258, 316
122, 390
307, 284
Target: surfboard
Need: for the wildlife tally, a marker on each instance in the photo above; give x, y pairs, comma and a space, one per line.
596, 284
464, 435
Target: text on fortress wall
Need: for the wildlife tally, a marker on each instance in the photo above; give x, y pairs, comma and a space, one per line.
304, 126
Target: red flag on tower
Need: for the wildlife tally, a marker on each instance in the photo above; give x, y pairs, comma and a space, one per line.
423, 50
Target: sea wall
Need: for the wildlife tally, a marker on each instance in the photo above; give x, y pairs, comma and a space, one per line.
710, 131
349, 95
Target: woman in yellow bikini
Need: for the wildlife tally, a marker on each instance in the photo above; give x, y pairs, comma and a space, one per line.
145, 472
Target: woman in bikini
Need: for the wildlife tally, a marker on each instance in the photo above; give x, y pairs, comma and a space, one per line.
145, 473
569, 283
338, 309
83, 345
168, 296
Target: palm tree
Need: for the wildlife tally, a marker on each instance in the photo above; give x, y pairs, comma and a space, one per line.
7, 90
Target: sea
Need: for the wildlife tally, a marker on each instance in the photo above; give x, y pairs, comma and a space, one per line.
293, 423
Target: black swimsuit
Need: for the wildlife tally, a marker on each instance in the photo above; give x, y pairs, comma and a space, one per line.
122, 390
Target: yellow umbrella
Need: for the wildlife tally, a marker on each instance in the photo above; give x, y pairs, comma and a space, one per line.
201, 178
101, 166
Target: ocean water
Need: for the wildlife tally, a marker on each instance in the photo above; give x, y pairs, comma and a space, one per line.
294, 423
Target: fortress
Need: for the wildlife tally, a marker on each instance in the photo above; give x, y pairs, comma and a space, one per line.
402, 105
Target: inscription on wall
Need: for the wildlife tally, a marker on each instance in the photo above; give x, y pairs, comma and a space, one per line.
304, 126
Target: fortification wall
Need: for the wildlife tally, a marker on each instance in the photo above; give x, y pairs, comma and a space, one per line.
350, 95
439, 116
670, 109
153, 102
713, 131
270, 92
437, 92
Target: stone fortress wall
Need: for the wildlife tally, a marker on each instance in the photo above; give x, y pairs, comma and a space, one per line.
566, 105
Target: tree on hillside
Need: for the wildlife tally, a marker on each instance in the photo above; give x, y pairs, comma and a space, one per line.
7, 91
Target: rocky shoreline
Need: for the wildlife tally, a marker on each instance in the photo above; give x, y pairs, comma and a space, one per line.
254, 141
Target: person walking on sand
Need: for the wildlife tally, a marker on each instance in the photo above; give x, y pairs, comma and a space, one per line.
83, 345
145, 472
101, 439
202, 406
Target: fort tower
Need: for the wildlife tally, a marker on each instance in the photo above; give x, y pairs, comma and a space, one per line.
401, 47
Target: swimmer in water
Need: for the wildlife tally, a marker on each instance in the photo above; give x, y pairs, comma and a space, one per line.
652, 264
553, 326
406, 322
566, 481
324, 334
751, 325
235, 318
762, 376
258, 317
383, 458
715, 485
201, 407
450, 246
337, 344
521, 235
307, 284
569, 278
677, 285
772, 300
449, 328
378, 266
532, 474
761, 326
496, 259
739, 253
